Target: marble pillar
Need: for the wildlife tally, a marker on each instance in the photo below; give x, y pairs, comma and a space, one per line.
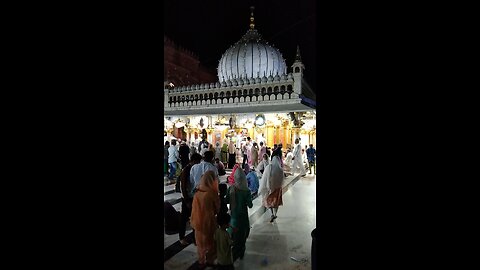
270, 136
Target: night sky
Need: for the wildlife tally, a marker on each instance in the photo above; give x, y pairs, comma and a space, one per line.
209, 28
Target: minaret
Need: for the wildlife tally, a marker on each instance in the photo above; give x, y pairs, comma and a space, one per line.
298, 68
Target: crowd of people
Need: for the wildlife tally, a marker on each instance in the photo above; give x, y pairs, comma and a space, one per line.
220, 231
178, 154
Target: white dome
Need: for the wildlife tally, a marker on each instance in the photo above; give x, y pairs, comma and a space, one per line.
251, 57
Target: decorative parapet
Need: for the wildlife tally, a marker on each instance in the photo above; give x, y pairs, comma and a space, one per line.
240, 91
235, 83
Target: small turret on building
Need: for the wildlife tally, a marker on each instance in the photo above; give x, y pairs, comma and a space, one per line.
297, 69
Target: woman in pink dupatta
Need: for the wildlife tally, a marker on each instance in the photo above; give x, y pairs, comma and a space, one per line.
206, 204
231, 177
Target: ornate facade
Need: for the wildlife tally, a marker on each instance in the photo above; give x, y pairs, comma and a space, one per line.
252, 80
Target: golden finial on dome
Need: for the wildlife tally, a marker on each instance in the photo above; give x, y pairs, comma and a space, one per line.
252, 20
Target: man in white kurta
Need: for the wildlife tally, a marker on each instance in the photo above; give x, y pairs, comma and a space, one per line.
260, 139
288, 161
298, 160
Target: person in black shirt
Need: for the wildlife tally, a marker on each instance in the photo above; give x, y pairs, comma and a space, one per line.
268, 152
277, 152
184, 152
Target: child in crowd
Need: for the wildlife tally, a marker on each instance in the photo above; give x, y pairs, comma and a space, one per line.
223, 242
253, 182
223, 200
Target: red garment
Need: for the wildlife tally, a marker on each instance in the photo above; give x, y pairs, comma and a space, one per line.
274, 199
231, 178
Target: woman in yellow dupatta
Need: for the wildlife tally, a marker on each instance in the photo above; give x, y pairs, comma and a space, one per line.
206, 203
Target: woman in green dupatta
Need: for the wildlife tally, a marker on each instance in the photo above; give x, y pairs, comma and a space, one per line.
240, 198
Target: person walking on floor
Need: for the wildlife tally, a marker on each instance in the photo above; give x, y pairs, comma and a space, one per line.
271, 187
244, 154
305, 160
263, 150
187, 198
249, 151
173, 158
206, 204
240, 198
223, 242
311, 159
252, 181
254, 154
298, 160
231, 155
218, 150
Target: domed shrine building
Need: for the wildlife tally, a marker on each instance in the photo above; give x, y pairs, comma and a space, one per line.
256, 93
